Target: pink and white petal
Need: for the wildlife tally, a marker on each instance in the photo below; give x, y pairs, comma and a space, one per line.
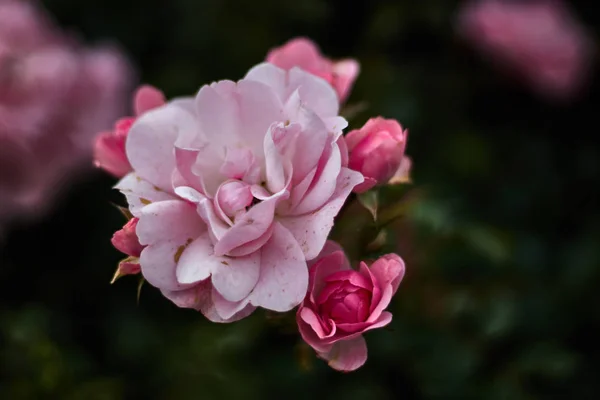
278, 170
270, 75
147, 98
311, 230
252, 225
323, 186
192, 266
185, 159
336, 125
253, 245
170, 220
232, 277
235, 277
226, 309
347, 355
186, 298
216, 227
283, 281
259, 106
316, 93
329, 248
310, 144
217, 113
150, 141
139, 193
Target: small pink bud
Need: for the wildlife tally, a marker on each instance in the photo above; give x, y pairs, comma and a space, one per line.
126, 241
234, 196
376, 151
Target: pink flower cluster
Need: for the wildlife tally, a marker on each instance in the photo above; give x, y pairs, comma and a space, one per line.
540, 40
233, 193
54, 96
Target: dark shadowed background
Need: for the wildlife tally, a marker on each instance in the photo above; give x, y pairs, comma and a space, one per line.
500, 300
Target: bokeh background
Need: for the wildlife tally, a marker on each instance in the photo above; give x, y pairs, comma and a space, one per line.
502, 243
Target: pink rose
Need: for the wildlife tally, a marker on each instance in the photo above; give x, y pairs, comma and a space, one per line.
539, 40
304, 53
376, 150
109, 148
236, 188
126, 241
342, 304
54, 95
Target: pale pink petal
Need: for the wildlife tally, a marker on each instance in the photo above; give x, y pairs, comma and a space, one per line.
278, 169
347, 355
323, 186
166, 227
140, 193
311, 230
147, 98
232, 277
271, 76
316, 93
252, 225
150, 143
283, 278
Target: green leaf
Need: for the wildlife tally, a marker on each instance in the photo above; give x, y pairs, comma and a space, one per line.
139, 289
370, 201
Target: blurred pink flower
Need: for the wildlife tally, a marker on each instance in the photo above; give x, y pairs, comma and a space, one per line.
342, 304
236, 188
54, 96
538, 39
376, 150
304, 53
109, 147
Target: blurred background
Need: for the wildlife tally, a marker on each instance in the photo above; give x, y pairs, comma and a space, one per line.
501, 240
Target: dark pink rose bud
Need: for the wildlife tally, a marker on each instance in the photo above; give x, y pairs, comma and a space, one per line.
342, 304
376, 151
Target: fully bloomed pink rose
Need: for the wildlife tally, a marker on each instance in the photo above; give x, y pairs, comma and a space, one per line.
126, 241
540, 40
54, 96
109, 148
304, 53
342, 304
376, 150
236, 188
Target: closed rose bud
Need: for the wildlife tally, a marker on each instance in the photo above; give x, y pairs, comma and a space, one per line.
126, 241
376, 151
233, 197
342, 304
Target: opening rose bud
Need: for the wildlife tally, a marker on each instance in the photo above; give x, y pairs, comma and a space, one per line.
342, 304
376, 150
